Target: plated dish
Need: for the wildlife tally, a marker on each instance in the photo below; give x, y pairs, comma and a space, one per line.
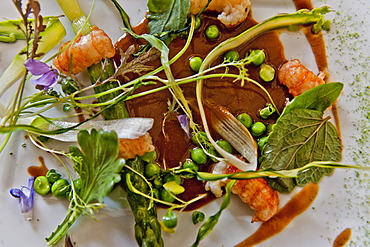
342, 201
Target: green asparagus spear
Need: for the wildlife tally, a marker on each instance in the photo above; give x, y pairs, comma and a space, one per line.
147, 227
97, 73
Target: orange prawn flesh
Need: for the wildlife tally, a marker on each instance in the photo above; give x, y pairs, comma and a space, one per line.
298, 78
258, 194
84, 51
232, 12
129, 148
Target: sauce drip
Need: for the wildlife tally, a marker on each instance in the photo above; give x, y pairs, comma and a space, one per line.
36, 171
294, 207
343, 238
317, 44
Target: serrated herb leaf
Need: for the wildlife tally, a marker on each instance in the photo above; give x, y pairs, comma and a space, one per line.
318, 98
99, 169
301, 136
97, 163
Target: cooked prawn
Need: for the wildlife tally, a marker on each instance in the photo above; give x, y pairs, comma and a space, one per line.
232, 12
298, 78
84, 51
129, 148
216, 186
258, 194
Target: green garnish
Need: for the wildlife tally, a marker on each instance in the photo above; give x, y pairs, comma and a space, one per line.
99, 169
303, 135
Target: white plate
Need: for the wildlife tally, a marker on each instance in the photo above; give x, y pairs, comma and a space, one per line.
343, 200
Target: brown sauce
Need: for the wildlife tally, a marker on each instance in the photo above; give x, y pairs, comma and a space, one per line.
343, 238
35, 171
170, 140
317, 44
294, 207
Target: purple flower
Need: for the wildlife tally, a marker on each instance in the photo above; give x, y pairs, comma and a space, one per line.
25, 199
48, 76
184, 123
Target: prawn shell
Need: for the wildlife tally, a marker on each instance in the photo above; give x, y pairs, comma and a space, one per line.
84, 51
232, 12
297, 77
258, 194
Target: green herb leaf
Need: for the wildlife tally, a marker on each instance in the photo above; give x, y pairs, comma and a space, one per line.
99, 170
300, 137
167, 16
318, 98
97, 163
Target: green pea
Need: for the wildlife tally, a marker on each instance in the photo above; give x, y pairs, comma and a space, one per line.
257, 57
198, 156
60, 188
52, 176
258, 128
198, 22
261, 142
169, 219
225, 145
195, 63
232, 56
158, 182
190, 165
212, 32
172, 177
149, 157
67, 107
164, 195
267, 111
41, 185
197, 217
69, 86
211, 150
245, 119
77, 183
151, 169
155, 193
199, 138
267, 72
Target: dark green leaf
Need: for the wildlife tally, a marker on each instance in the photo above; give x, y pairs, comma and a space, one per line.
318, 98
97, 163
300, 137
166, 16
